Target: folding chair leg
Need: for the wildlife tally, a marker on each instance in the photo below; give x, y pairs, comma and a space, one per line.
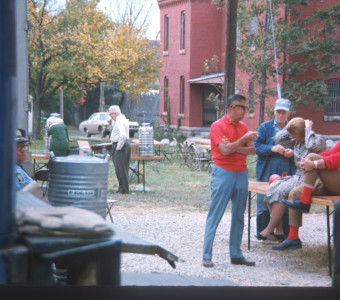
109, 205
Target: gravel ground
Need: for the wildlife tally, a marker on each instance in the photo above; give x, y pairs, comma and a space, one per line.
181, 232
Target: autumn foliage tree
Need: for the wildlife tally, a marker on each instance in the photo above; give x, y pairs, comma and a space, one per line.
130, 61
77, 46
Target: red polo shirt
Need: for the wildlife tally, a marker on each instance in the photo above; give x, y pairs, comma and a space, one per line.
332, 157
223, 127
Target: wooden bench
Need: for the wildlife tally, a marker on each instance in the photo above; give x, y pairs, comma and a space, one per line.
257, 187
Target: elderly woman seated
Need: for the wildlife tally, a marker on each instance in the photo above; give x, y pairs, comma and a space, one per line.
299, 136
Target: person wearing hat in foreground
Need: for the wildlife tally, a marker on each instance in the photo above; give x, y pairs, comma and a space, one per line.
272, 159
21, 177
300, 136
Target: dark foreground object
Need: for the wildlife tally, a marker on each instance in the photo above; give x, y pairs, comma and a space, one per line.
150, 293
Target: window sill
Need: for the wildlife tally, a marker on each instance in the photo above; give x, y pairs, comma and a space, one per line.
331, 118
182, 51
165, 53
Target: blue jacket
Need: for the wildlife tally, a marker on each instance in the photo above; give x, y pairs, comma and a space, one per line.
21, 177
268, 162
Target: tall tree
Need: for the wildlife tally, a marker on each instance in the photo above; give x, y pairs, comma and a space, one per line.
64, 48
302, 44
77, 47
305, 41
130, 61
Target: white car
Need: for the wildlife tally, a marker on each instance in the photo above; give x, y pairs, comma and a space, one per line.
97, 124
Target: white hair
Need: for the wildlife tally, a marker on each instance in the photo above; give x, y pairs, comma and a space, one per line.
53, 120
114, 108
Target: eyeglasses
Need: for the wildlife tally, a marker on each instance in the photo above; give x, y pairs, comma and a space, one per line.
22, 147
242, 106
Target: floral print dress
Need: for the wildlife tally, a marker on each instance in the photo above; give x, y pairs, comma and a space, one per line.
314, 143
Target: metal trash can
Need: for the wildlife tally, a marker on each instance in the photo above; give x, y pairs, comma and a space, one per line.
145, 134
79, 180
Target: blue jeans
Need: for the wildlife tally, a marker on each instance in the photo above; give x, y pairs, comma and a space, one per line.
226, 185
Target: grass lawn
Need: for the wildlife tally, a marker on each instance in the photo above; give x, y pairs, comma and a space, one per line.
168, 184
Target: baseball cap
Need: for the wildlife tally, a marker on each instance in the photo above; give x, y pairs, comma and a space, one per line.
283, 104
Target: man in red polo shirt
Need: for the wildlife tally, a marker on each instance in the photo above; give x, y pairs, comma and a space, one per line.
231, 142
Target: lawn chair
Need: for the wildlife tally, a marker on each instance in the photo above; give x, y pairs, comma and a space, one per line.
184, 154
41, 176
199, 158
169, 150
109, 205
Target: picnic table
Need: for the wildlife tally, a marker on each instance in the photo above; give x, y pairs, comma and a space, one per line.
258, 187
140, 173
37, 158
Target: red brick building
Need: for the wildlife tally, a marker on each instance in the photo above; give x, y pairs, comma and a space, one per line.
194, 31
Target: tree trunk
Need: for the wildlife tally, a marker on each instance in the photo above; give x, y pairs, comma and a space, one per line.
263, 73
262, 96
36, 116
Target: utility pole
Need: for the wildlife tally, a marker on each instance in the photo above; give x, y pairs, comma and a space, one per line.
61, 101
230, 53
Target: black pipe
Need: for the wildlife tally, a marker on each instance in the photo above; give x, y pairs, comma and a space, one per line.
8, 114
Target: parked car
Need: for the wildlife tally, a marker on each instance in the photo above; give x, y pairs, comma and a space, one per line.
97, 123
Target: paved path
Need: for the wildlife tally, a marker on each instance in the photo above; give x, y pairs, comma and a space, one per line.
162, 279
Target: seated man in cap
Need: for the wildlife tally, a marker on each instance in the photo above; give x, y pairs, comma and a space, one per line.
21, 177
272, 159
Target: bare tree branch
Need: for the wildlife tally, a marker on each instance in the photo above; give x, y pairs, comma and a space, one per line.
133, 12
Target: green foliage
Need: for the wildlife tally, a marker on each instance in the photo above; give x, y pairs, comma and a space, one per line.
298, 39
76, 47
217, 100
178, 122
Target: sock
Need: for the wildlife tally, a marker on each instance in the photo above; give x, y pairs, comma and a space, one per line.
293, 232
306, 195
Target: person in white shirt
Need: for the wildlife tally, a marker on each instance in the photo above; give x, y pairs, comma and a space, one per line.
121, 148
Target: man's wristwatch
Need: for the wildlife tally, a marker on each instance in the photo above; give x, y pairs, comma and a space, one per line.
315, 164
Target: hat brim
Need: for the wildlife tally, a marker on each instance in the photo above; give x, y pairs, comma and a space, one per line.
281, 108
21, 140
